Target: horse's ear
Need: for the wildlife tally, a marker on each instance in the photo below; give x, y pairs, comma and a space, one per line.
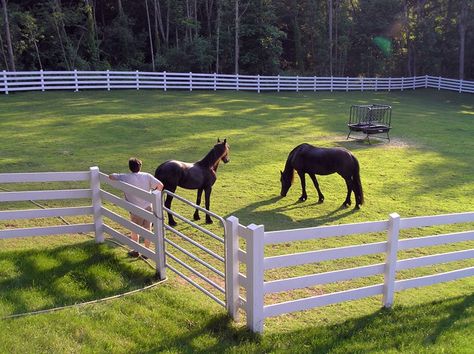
218, 140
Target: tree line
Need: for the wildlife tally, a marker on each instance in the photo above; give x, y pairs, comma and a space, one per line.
299, 37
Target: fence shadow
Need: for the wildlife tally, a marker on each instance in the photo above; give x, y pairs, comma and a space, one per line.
40, 279
414, 327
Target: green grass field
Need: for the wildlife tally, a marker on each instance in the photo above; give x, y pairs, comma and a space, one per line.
426, 169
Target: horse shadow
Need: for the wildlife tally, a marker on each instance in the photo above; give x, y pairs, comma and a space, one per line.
279, 220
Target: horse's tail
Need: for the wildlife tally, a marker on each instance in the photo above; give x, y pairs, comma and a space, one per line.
357, 183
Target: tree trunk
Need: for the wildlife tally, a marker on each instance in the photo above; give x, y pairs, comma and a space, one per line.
218, 34
330, 35
8, 37
462, 37
236, 41
150, 35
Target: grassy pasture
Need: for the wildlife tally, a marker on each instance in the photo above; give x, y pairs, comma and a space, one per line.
426, 169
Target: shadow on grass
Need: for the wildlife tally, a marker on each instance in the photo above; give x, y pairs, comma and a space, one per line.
41, 279
280, 220
405, 328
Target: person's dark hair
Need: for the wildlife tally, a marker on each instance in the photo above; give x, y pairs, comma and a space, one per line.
134, 164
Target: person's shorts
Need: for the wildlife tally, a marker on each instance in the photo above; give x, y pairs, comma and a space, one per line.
140, 221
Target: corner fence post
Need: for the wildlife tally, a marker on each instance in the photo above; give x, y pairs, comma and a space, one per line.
255, 271
97, 204
391, 260
231, 244
158, 230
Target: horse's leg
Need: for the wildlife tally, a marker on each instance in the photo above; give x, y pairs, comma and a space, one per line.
207, 196
350, 188
168, 201
198, 202
304, 196
316, 185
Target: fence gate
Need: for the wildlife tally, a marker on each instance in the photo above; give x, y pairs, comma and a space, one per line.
194, 252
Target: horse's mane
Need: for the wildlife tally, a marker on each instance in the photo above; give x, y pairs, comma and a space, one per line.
213, 157
289, 170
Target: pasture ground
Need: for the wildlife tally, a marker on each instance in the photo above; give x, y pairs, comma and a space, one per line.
427, 169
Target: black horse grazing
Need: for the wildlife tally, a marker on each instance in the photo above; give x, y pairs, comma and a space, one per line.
200, 175
306, 158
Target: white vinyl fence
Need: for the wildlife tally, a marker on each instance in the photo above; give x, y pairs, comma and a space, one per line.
110, 80
97, 211
256, 263
256, 240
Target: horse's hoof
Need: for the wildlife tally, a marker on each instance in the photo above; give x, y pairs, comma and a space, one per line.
302, 199
209, 221
196, 217
344, 206
172, 223
357, 207
320, 201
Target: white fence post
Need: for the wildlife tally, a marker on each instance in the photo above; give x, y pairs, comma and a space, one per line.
137, 79
215, 81
158, 230
347, 83
403, 82
460, 86
361, 84
426, 81
315, 83
376, 82
391, 259
76, 83
278, 83
5, 82
297, 83
164, 81
190, 81
96, 204
255, 255
108, 80
232, 267
258, 83
331, 84
42, 80
389, 84
439, 83
237, 82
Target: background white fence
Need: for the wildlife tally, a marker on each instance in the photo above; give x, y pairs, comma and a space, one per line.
109, 80
256, 239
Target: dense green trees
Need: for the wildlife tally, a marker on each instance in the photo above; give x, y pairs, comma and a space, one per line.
304, 37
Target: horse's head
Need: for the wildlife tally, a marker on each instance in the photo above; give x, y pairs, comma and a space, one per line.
286, 180
223, 150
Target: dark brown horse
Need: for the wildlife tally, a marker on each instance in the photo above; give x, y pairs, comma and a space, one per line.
200, 175
306, 158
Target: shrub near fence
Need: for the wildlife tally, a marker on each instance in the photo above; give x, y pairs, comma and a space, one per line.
138, 80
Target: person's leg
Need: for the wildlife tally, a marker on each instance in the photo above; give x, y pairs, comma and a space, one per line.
147, 225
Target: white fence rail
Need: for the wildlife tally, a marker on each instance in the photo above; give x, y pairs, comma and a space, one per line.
256, 239
138, 80
256, 263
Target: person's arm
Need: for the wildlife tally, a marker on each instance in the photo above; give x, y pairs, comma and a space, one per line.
155, 183
159, 186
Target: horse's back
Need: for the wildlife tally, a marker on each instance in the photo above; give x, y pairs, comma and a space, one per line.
170, 171
321, 160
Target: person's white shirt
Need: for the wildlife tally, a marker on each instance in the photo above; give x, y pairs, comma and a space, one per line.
142, 180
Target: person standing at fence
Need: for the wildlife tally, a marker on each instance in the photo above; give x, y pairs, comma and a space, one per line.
142, 180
